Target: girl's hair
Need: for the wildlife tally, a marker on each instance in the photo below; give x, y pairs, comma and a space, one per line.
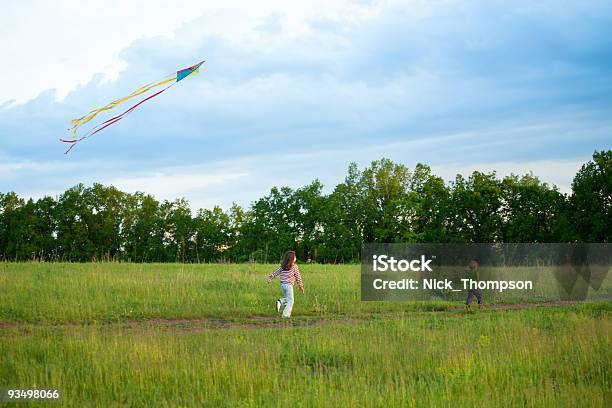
288, 260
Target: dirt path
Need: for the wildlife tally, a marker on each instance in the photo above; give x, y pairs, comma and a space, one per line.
501, 306
266, 322
255, 322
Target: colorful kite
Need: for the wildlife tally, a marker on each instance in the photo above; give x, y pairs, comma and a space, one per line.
168, 80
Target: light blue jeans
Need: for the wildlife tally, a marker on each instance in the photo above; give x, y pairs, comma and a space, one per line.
287, 299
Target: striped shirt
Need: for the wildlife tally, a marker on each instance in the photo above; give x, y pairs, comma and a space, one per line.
288, 276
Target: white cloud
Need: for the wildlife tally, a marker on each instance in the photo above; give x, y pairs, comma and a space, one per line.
62, 44
250, 178
199, 185
459, 86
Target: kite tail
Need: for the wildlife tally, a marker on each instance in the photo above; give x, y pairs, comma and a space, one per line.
78, 122
111, 121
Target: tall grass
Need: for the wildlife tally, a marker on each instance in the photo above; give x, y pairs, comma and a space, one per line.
381, 354
543, 357
68, 292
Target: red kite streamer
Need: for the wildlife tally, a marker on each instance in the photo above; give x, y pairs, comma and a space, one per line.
78, 122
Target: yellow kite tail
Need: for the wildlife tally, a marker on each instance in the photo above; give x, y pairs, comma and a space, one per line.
78, 122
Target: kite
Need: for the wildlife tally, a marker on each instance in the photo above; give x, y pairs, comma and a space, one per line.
165, 83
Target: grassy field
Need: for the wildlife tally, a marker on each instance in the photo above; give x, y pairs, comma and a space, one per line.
172, 335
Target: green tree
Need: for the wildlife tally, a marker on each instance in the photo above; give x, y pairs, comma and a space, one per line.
475, 214
343, 221
591, 199
13, 226
430, 199
42, 229
213, 234
143, 229
73, 225
531, 210
178, 231
311, 207
104, 219
385, 202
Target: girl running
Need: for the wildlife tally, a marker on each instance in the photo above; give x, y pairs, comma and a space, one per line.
288, 273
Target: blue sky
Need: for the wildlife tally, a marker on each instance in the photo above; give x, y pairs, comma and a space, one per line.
291, 92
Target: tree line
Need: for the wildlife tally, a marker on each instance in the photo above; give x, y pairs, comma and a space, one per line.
385, 202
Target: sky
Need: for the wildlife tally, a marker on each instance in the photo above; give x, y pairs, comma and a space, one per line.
293, 91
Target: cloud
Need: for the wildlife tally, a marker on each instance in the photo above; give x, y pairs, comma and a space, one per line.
249, 177
448, 83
